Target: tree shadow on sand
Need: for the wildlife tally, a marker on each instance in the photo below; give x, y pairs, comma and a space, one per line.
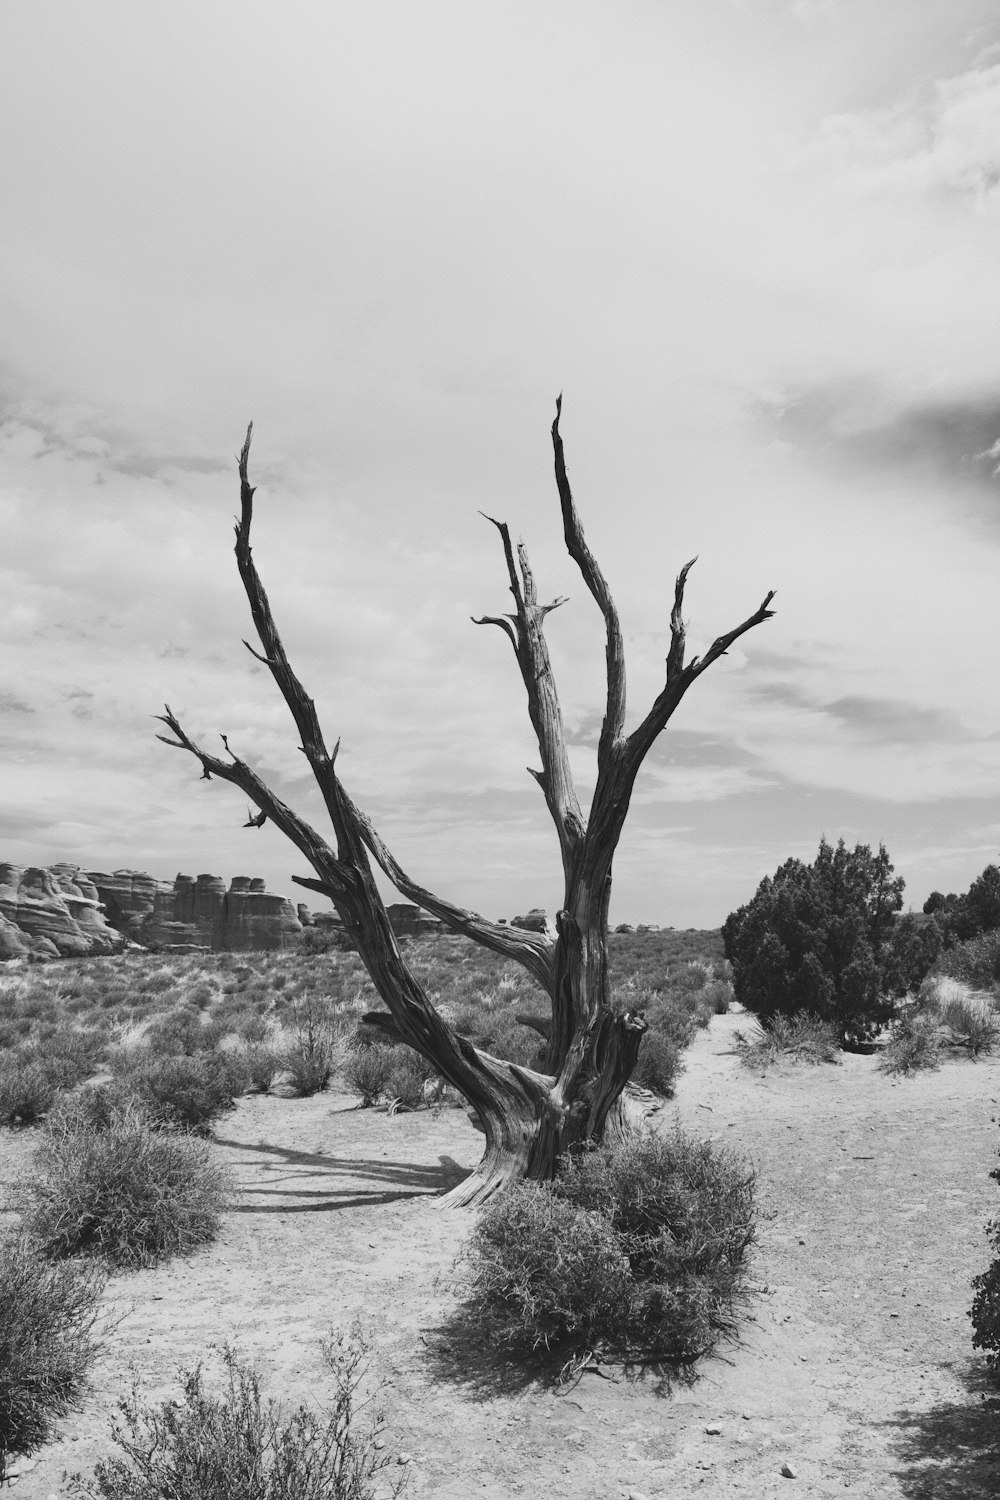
313, 1182
954, 1448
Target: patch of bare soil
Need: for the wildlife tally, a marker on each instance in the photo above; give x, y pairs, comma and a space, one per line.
854, 1366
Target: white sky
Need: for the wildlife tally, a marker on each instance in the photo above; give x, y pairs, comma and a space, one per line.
755, 244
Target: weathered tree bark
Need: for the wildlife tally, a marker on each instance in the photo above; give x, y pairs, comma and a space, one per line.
578, 1095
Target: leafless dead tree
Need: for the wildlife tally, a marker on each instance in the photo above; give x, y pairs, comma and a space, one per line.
530, 1117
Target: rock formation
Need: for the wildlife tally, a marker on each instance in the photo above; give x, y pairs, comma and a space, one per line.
52, 913
189, 912
534, 921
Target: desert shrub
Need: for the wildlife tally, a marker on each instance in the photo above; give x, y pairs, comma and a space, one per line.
262, 1065
985, 1310
544, 1274
231, 1444
182, 1032
126, 1191
183, 1091
70, 1053
254, 1028
973, 1021
719, 994
312, 1057
408, 1073
819, 938
309, 1064
975, 962
659, 1064
27, 1092
491, 1024
800, 1038
367, 1072
915, 1043
675, 1014
47, 1316
636, 1249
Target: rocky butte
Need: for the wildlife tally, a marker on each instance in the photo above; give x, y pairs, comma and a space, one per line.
65, 912
197, 912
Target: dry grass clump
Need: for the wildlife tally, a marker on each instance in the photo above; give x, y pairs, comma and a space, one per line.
47, 1317
114, 1186
947, 1016
801, 1038
637, 1251
231, 1444
916, 1043
27, 1092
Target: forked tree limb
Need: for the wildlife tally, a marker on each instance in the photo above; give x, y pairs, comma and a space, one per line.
680, 676
533, 950
310, 844
525, 630
576, 545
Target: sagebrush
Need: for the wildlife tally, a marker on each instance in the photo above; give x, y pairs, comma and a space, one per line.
637, 1250
122, 1189
47, 1341
231, 1443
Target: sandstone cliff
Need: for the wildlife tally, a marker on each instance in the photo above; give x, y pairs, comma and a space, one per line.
53, 913
197, 912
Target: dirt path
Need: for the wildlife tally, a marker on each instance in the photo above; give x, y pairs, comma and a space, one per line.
855, 1363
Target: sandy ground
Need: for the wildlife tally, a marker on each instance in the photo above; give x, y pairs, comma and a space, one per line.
854, 1366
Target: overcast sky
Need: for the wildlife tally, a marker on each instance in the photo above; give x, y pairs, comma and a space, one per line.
756, 245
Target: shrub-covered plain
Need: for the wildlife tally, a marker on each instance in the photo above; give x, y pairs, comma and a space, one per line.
185, 1034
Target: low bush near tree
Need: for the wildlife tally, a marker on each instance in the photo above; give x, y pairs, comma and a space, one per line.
232, 1444
985, 1311
975, 962
262, 1065
123, 1189
946, 1016
800, 1038
973, 1021
637, 1251
366, 1073
408, 1075
916, 1042
660, 1063
184, 1091
47, 1317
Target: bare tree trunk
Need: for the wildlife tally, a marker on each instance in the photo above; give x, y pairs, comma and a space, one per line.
529, 1117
